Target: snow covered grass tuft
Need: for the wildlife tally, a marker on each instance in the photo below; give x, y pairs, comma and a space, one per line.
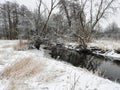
22, 69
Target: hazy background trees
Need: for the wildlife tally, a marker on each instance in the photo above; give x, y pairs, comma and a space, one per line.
75, 20
111, 32
14, 20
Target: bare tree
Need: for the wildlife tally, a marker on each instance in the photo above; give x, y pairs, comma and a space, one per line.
25, 22
9, 20
15, 20
54, 4
4, 23
10, 17
37, 18
87, 15
64, 6
98, 10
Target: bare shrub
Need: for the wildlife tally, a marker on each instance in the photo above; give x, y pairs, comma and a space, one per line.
20, 45
22, 69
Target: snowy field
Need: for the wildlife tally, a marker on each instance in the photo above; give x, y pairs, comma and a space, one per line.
31, 70
106, 44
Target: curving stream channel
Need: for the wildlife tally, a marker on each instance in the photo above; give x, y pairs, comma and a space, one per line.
104, 66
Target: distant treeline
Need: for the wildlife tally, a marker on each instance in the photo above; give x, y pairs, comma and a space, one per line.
111, 32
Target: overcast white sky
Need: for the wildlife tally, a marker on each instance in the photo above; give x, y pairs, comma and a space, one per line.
31, 4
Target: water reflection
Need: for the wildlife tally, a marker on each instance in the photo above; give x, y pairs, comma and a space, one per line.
96, 63
105, 67
110, 70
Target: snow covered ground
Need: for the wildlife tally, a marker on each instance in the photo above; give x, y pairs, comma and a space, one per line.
105, 44
31, 70
109, 45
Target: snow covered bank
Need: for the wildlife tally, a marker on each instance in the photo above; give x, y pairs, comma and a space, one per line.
105, 44
31, 70
108, 45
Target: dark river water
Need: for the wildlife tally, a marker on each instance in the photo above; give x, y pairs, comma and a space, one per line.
110, 70
105, 67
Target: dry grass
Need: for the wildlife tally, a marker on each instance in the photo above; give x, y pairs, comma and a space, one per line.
106, 44
6, 46
22, 69
17, 85
20, 45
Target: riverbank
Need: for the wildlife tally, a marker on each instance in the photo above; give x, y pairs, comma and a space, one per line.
31, 70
